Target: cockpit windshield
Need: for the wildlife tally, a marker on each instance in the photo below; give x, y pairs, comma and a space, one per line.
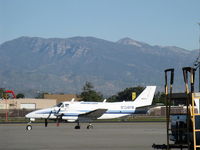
60, 105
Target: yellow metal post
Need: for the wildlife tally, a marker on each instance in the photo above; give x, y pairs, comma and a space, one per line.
133, 95
168, 99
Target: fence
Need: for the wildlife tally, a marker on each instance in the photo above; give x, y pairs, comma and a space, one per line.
14, 112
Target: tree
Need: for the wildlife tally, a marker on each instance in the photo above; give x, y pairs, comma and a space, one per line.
40, 95
88, 86
89, 94
159, 98
126, 94
20, 95
2, 92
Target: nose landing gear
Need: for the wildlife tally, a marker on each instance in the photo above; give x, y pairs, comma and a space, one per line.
29, 126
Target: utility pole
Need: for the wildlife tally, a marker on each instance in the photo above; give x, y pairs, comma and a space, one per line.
197, 62
198, 59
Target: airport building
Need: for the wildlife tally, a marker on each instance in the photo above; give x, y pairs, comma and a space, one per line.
49, 100
27, 103
61, 97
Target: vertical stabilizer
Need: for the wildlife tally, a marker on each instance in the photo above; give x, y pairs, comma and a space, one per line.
146, 97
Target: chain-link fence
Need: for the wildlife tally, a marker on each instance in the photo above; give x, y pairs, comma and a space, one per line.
14, 112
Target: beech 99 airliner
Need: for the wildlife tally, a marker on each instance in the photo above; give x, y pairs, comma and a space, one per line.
79, 112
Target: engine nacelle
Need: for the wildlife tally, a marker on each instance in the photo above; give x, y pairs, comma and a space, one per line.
70, 120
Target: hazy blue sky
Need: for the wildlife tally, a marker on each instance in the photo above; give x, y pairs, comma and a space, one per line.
157, 22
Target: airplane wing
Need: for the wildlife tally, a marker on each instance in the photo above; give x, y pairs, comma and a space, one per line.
92, 115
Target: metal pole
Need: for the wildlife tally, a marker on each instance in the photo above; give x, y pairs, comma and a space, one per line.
185, 76
6, 110
199, 56
199, 74
168, 100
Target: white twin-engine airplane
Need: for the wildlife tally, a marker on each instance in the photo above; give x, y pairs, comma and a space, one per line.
72, 111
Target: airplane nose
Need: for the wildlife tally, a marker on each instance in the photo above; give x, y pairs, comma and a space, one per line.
29, 115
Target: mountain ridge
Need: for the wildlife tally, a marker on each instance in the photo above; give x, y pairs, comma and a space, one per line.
65, 64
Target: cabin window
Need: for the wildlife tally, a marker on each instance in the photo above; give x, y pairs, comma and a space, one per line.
66, 105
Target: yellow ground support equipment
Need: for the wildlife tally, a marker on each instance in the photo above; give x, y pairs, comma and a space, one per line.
183, 129
194, 120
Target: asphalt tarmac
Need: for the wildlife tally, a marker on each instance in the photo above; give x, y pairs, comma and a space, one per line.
104, 136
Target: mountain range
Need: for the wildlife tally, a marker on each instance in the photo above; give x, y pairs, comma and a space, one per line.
62, 65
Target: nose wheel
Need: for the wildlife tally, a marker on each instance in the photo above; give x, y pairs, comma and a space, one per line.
29, 126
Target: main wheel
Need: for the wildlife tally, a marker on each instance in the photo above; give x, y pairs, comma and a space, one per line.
77, 127
29, 127
90, 126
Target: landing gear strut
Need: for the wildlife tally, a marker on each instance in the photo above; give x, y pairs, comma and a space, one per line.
77, 126
29, 126
90, 126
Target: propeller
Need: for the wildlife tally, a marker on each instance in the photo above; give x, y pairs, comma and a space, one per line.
46, 120
46, 123
58, 118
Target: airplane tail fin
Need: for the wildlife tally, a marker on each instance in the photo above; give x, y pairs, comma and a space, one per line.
146, 97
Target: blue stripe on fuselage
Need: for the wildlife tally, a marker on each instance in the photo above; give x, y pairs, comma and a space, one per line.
116, 112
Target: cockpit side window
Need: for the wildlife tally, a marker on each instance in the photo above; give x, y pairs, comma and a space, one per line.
66, 105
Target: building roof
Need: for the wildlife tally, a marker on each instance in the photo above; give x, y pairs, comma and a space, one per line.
61, 97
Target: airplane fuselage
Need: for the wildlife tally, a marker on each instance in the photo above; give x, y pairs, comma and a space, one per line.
71, 110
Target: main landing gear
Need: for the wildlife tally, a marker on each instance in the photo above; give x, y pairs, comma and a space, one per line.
90, 126
77, 126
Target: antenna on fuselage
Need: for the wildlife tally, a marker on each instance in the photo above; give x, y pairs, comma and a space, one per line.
72, 100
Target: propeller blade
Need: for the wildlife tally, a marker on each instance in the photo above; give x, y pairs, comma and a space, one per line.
58, 111
49, 115
46, 122
57, 123
59, 119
